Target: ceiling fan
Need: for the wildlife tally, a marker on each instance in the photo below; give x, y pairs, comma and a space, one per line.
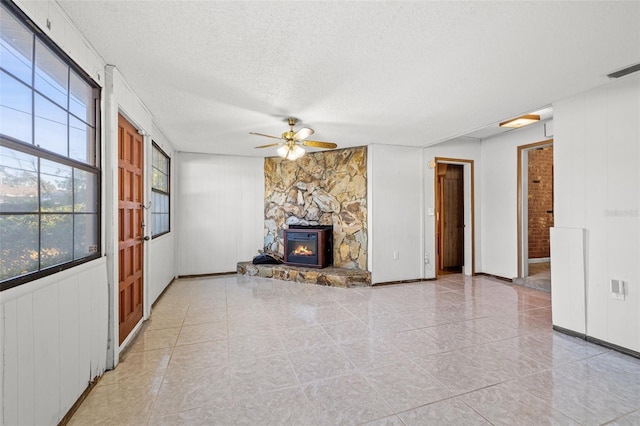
291, 142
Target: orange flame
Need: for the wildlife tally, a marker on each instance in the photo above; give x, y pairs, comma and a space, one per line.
302, 251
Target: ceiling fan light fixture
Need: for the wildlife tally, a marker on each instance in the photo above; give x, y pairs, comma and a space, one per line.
521, 121
291, 152
298, 151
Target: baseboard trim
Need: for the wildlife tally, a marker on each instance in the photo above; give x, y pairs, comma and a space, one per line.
416, 280
67, 417
598, 342
213, 274
498, 277
570, 332
614, 347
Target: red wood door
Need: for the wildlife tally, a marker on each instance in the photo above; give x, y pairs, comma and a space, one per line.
130, 247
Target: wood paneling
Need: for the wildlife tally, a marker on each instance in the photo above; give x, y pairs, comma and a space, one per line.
130, 245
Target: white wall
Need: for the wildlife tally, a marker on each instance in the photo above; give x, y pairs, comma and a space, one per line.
54, 343
220, 212
597, 188
162, 266
462, 150
498, 185
394, 178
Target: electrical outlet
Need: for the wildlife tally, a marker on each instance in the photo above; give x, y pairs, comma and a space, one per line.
426, 258
618, 289
396, 255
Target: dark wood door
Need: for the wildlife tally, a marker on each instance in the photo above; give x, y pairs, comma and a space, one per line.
450, 217
130, 225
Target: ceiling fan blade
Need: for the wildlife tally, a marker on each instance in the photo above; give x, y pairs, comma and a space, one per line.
303, 133
269, 145
266, 136
318, 144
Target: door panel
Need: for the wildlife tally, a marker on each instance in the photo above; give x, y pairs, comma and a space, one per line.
130, 226
450, 217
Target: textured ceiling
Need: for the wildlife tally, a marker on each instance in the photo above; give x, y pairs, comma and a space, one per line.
385, 72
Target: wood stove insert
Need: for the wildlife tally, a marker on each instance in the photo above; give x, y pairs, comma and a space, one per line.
308, 246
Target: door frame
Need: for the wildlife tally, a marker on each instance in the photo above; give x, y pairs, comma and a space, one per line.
468, 176
522, 182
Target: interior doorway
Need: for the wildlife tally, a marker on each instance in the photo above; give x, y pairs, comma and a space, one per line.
535, 214
454, 221
450, 218
130, 227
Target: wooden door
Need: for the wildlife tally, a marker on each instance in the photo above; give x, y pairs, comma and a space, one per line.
450, 217
130, 225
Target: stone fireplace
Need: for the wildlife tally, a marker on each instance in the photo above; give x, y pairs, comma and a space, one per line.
320, 188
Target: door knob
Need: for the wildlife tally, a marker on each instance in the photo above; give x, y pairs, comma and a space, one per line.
145, 238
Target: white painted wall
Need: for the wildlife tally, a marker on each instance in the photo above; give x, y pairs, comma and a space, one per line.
597, 188
220, 211
463, 149
394, 177
162, 267
498, 185
54, 343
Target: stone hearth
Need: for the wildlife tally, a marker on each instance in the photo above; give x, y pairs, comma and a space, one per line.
333, 277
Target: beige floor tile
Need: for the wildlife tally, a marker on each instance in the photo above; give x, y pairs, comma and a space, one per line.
344, 331
345, 400
500, 405
461, 350
320, 362
202, 333
448, 412
295, 339
405, 386
200, 355
248, 347
156, 339
370, 353
263, 374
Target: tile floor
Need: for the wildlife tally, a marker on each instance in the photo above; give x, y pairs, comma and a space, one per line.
457, 351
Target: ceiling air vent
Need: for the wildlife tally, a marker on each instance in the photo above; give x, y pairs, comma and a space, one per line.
625, 71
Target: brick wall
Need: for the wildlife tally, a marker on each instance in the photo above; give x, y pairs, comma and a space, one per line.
540, 201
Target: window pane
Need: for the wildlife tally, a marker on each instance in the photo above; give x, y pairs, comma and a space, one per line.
18, 181
18, 245
50, 126
85, 191
15, 108
159, 181
57, 239
85, 231
159, 213
16, 47
52, 75
55, 187
81, 99
81, 141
